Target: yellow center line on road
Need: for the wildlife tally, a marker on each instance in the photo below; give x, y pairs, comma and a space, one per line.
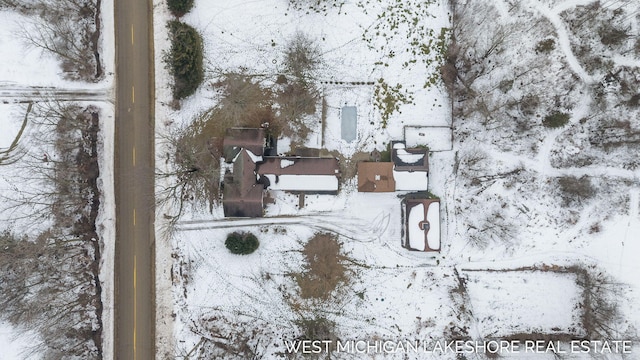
134, 217
135, 305
133, 94
134, 156
131, 34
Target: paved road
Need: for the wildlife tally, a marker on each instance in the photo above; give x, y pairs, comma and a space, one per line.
134, 164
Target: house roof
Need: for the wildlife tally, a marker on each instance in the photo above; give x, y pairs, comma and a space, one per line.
236, 139
253, 172
243, 207
299, 173
416, 159
293, 165
312, 183
242, 195
376, 177
423, 224
411, 180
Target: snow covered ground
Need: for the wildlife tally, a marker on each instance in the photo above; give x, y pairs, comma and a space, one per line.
28, 73
15, 346
10, 123
24, 66
545, 302
521, 227
210, 282
27, 67
526, 192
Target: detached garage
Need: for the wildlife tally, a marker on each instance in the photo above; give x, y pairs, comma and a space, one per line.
422, 225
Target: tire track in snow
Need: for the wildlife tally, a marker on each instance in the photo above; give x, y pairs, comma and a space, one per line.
570, 4
563, 40
352, 228
31, 94
544, 155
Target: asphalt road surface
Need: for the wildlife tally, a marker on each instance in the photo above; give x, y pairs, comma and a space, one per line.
134, 169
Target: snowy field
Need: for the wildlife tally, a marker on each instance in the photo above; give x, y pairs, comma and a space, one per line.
538, 302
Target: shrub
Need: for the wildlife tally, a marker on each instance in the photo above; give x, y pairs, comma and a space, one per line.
179, 7
556, 120
634, 101
610, 35
185, 59
324, 267
505, 85
545, 46
316, 328
575, 190
242, 243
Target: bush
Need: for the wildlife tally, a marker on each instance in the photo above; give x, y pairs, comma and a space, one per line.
609, 35
575, 190
546, 46
179, 7
242, 243
185, 59
556, 120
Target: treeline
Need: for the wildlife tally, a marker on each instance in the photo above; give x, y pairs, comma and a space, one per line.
185, 58
50, 283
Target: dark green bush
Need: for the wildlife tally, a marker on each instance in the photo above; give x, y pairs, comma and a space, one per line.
179, 7
242, 243
185, 59
556, 120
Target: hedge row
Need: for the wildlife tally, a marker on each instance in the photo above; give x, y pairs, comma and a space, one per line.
185, 59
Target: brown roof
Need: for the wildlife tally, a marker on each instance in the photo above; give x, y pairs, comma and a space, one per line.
236, 139
376, 177
243, 207
242, 193
292, 165
410, 203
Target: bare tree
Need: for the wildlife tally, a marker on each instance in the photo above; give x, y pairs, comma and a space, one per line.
601, 295
192, 169
50, 282
70, 29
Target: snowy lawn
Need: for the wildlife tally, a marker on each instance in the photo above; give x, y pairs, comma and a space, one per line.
255, 299
23, 65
